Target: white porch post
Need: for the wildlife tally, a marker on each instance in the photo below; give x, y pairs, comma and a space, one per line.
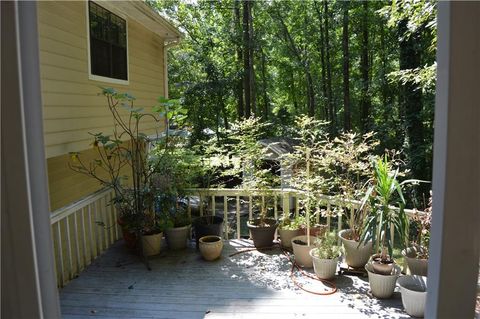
27, 270
455, 238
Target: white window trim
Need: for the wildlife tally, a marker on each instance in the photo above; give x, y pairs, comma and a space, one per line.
100, 78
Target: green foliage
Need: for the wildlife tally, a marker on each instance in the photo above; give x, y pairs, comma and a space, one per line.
292, 224
382, 218
327, 247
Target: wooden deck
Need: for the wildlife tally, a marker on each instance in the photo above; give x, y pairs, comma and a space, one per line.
182, 285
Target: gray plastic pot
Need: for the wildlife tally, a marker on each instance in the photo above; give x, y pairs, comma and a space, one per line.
414, 294
356, 256
382, 286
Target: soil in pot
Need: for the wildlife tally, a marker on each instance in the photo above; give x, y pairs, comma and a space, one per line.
207, 225
301, 250
262, 234
210, 247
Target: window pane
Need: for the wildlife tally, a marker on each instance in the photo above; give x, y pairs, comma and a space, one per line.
108, 43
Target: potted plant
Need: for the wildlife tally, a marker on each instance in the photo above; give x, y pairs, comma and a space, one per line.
179, 232
414, 294
326, 255
246, 159
206, 226
348, 159
383, 221
211, 247
289, 228
416, 255
123, 165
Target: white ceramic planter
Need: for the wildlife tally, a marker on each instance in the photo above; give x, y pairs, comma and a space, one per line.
302, 252
287, 235
324, 268
210, 247
151, 244
355, 256
414, 294
177, 237
382, 286
417, 266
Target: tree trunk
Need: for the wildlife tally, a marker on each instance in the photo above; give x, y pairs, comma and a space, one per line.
346, 71
266, 102
240, 80
364, 66
251, 53
329, 67
321, 46
246, 58
411, 103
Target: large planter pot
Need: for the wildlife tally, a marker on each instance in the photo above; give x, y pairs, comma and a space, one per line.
414, 294
207, 225
262, 235
286, 236
177, 237
151, 244
317, 231
210, 247
324, 268
382, 286
417, 266
302, 251
355, 256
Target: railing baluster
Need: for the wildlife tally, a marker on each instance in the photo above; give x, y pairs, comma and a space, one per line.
250, 208
297, 206
77, 246
111, 219
93, 246
339, 226
189, 208
238, 217
84, 237
317, 213
60, 254
98, 232
225, 217
275, 210
69, 248
329, 212
103, 213
201, 205
213, 205
286, 203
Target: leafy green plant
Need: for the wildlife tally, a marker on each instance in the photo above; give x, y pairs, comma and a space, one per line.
288, 223
383, 218
122, 164
326, 247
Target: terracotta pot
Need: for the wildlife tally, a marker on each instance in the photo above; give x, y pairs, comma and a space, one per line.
414, 294
382, 286
286, 236
211, 247
177, 237
356, 256
324, 268
417, 266
151, 244
302, 252
262, 236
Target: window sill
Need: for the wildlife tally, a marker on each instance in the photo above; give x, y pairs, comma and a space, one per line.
107, 80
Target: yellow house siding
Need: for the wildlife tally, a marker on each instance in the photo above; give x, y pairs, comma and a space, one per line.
71, 105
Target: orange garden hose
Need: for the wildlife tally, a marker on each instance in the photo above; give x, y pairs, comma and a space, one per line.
292, 272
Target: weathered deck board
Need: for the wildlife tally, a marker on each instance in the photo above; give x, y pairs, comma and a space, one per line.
182, 285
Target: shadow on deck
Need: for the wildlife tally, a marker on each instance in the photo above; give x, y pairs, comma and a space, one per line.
183, 285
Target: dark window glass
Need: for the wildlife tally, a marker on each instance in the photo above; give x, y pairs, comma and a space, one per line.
108, 43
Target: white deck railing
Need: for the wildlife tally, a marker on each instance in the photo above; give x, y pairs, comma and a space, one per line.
79, 238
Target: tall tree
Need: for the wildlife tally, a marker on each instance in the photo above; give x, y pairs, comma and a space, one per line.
347, 125
247, 62
329, 67
321, 46
237, 31
365, 101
